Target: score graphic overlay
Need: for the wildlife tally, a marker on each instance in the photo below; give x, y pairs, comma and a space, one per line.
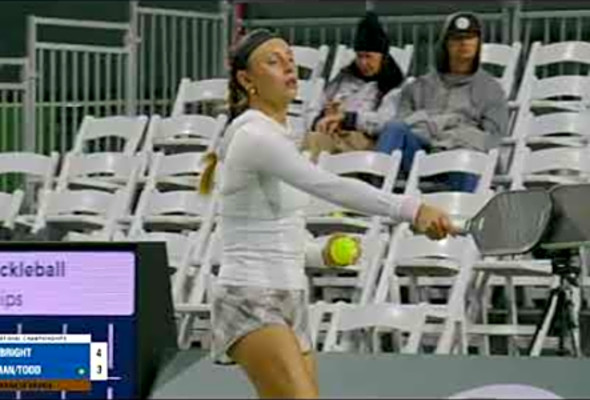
51, 362
67, 324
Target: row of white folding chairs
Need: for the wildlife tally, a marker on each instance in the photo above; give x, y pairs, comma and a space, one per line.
369, 269
462, 206
129, 170
551, 109
440, 157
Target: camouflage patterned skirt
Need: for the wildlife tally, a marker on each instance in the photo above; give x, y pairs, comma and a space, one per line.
240, 310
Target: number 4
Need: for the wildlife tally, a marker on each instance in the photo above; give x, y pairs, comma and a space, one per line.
99, 353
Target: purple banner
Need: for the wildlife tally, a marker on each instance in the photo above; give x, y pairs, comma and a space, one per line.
67, 283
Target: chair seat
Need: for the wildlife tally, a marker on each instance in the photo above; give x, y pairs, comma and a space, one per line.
571, 141
165, 222
76, 222
515, 267
104, 183
331, 224
182, 141
427, 267
193, 308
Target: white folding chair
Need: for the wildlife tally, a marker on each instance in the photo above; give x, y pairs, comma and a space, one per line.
345, 55
313, 59
194, 308
547, 167
175, 210
185, 132
307, 100
324, 218
36, 169
356, 282
201, 91
565, 128
353, 317
177, 171
543, 55
108, 171
83, 210
321, 214
417, 257
459, 160
126, 129
504, 56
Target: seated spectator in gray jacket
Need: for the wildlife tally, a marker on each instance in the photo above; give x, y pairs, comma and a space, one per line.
360, 99
458, 105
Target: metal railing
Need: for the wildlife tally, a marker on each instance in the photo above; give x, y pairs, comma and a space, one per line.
14, 97
72, 80
157, 47
173, 44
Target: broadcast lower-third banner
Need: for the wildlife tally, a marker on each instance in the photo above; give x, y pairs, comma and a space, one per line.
38, 385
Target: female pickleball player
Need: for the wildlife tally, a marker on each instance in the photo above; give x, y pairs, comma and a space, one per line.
259, 307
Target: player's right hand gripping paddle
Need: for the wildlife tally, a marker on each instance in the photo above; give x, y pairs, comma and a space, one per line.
511, 222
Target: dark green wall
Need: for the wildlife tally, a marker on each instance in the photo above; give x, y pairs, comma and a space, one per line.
13, 15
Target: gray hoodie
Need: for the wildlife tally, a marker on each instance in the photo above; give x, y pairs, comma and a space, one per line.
455, 111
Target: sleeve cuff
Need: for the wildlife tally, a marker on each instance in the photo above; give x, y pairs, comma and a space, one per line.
409, 208
349, 122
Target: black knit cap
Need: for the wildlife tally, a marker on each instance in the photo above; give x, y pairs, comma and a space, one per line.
247, 45
370, 35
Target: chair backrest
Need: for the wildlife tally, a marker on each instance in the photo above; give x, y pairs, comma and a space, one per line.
206, 259
381, 165
184, 202
174, 203
128, 129
374, 163
185, 130
83, 202
549, 165
459, 160
103, 209
345, 55
565, 124
313, 59
404, 247
120, 169
205, 90
34, 165
554, 91
541, 55
349, 317
183, 169
505, 56
309, 97
10, 206
176, 171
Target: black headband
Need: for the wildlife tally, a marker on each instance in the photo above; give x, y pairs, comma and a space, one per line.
248, 44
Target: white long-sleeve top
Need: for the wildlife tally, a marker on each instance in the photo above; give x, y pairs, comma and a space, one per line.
264, 187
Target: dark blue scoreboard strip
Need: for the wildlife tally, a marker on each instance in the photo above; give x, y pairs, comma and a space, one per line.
122, 381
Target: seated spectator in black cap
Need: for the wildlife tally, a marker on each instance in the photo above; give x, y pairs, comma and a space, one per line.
361, 98
458, 105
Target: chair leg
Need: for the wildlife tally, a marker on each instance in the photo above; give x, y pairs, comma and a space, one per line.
512, 315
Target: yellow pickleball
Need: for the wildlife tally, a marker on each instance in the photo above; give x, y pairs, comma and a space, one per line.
344, 250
